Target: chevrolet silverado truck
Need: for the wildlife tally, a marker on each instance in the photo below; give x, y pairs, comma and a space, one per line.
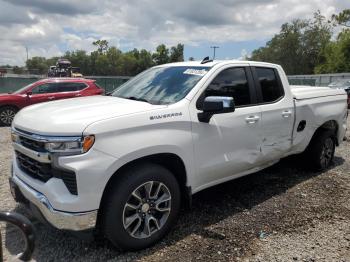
123, 165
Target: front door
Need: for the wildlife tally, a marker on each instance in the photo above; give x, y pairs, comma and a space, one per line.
230, 143
42, 93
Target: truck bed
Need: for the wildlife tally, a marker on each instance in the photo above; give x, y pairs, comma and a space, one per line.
316, 105
307, 92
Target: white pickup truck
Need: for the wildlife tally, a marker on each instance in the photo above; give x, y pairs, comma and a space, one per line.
123, 164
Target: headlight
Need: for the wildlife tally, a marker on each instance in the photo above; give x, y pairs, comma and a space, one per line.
78, 147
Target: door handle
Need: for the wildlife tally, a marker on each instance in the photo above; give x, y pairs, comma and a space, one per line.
286, 113
78, 95
51, 97
252, 119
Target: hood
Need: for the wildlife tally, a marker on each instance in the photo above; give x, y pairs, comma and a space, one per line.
72, 116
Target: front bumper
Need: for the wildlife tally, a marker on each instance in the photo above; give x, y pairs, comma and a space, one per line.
62, 220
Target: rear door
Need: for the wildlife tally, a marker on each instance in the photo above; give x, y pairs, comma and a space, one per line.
277, 113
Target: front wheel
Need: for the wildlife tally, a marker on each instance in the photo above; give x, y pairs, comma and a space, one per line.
141, 207
7, 114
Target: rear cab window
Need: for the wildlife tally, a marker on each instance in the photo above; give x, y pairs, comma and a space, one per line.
268, 83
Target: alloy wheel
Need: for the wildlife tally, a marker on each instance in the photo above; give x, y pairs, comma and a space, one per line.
6, 116
147, 209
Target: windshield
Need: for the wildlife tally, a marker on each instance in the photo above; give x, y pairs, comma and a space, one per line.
162, 85
23, 88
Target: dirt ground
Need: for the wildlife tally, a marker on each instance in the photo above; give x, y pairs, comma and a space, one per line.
280, 214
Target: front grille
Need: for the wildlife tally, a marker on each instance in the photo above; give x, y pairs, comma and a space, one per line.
33, 168
32, 144
44, 172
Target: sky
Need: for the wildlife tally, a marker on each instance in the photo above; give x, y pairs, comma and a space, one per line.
51, 27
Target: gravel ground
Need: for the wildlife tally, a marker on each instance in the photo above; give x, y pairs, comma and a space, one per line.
280, 214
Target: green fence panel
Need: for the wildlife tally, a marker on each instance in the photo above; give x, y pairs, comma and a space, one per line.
11, 84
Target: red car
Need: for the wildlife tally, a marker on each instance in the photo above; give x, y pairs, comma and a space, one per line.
43, 91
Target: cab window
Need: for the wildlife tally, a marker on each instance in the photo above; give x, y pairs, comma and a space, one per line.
231, 82
270, 85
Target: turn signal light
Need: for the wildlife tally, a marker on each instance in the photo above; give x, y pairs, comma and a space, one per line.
88, 142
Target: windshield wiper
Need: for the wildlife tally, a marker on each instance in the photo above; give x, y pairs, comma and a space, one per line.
138, 99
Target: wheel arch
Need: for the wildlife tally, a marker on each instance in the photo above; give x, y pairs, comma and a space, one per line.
331, 125
10, 105
171, 161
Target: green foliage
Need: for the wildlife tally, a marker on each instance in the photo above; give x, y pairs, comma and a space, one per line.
298, 47
177, 53
110, 60
305, 46
337, 55
102, 45
343, 18
161, 56
18, 70
38, 64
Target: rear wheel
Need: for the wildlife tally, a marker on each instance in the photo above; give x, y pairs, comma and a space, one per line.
320, 153
141, 207
7, 114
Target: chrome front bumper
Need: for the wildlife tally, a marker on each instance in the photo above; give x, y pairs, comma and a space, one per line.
62, 220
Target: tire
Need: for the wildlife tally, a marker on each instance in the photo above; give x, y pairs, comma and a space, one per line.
320, 152
126, 225
7, 113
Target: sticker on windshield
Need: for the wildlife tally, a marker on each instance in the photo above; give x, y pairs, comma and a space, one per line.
197, 72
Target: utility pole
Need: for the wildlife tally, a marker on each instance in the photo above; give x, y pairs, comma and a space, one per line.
27, 52
214, 48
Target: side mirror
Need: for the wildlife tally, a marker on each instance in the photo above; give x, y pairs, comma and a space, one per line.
216, 105
29, 93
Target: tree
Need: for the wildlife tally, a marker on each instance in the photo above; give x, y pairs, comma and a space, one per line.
177, 53
18, 70
343, 18
110, 60
337, 55
102, 45
191, 58
37, 64
161, 56
79, 58
298, 46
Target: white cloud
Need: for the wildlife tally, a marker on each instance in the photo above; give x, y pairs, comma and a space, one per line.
51, 27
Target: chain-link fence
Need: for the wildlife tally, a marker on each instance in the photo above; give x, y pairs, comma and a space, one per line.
12, 83
317, 80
